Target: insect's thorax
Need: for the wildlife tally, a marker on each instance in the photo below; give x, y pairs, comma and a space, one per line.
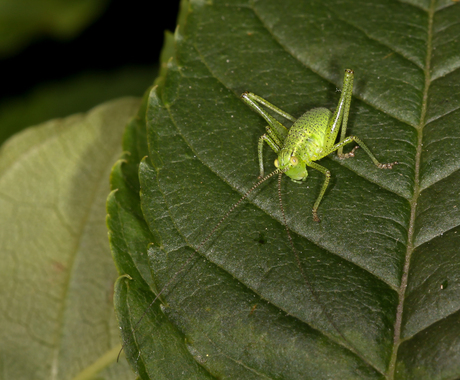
306, 142
307, 136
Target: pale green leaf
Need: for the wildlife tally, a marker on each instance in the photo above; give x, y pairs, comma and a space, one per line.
57, 320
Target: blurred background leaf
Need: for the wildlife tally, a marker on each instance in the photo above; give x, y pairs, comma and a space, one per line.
56, 300
57, 318
22, 21
104, 58
52, 100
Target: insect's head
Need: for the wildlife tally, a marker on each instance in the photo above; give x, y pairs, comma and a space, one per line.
291, 165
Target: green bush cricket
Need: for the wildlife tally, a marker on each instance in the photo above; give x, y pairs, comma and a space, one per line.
310, 138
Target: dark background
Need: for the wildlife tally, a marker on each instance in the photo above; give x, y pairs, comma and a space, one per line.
127, 33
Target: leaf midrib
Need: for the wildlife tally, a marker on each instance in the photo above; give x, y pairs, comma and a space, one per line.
416, 194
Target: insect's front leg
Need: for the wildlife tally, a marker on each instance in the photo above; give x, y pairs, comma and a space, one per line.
327, 174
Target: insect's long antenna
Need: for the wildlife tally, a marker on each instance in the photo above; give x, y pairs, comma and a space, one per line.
304, 275
190, 258
255, 186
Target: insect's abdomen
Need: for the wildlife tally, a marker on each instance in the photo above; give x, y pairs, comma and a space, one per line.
307, 136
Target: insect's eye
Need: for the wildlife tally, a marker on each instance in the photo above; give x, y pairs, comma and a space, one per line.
294, 160
276, 163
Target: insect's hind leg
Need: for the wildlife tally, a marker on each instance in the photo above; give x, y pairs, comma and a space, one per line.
361, 144
258, 99
350, 154
276, 127
273, 142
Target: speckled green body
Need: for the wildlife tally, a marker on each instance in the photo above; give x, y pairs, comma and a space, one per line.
307, 139
311, 137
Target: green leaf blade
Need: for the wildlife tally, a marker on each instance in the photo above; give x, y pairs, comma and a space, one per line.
378, 229
57, 293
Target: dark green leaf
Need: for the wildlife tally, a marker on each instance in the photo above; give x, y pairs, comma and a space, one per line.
382, 263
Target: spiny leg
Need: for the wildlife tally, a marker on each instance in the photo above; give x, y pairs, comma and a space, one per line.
348, 90
272, 143
350, 154
340, 116
327, 173
277, 128
270, 106
276, 132
348, 140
